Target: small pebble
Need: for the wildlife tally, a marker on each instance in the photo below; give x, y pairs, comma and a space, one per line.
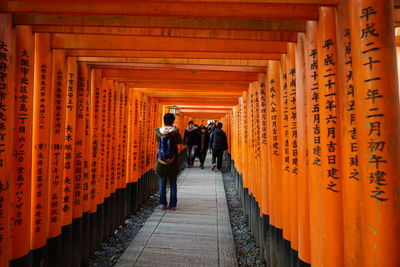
247, 253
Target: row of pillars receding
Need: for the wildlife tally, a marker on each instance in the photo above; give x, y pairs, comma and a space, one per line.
316, 141
73, 145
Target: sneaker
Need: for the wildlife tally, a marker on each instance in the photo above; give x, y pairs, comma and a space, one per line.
218, 170
202, 166
213, 166
164, 207
172, 209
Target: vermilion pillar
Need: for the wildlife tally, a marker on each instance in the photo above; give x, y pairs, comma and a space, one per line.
57, 137
348, 139
314, 143
95, 97
41, 141
22, 164
6, 131
274, 139
264, 154
302, 176
293, 143
69, 142
284, 102
330, 138
376, 93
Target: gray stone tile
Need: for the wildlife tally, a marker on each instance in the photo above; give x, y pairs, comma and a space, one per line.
189, 218
186, 229
183, 242
177, 257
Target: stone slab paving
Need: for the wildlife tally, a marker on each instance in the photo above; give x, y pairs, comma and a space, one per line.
198, 233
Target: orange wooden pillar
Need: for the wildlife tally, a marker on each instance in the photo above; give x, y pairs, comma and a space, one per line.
56, 160
6, 132
348, 139
293, 142
314, 143
79, 168
40, 146
302, 176
284, 102
274, 136
84, 85
124, 145
245, 153
330, 138
376, 94
275, 157
69, 158
22, 164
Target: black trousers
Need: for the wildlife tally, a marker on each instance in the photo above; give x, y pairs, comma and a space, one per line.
202, 156
217, 157
190, 154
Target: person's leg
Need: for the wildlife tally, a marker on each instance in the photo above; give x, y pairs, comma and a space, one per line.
214, 157
192, 154
188, 149
162, 191
219, 159
173, 194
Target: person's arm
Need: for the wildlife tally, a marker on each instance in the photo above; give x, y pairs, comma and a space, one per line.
211, 140
157, 133
178, 137
184, 137
225, 142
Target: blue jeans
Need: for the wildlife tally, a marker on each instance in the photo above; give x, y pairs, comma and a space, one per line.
163, 192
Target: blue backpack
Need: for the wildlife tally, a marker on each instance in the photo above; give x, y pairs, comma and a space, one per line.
166, 150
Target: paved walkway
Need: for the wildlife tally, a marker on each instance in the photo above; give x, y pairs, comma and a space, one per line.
198, 233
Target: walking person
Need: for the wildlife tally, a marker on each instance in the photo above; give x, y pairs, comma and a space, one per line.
204, 140
218, 144
190, 140
167, 165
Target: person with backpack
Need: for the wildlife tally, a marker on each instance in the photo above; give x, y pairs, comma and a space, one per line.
167, 164
218, 144
190, 140
204, 140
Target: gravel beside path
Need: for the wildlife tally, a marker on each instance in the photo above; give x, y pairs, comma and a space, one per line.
246, 250
123, 235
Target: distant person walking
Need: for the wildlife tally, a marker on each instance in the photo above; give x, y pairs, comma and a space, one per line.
191, 140
204, 140
218, 144
167, 165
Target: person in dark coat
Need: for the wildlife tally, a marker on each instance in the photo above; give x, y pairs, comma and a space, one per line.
191, 140
218, 144
204, 140
168, 172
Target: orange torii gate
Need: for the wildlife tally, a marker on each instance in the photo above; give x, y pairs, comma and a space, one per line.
311, 109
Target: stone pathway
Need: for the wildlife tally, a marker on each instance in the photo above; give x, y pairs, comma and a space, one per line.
198, 233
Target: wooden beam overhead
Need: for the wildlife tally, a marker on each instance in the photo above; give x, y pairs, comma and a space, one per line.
170, 54
161, 22
197, 100
167, 8
178, 61
186, 86
147, 43
172, 32
180, 75
105, 65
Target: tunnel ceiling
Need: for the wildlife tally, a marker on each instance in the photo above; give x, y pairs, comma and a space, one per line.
197, 54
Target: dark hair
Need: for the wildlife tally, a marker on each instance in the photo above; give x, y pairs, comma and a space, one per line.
169, 118
219, 125
191, 122
203, 127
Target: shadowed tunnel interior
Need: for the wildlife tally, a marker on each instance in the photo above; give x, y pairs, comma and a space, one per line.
307, 91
